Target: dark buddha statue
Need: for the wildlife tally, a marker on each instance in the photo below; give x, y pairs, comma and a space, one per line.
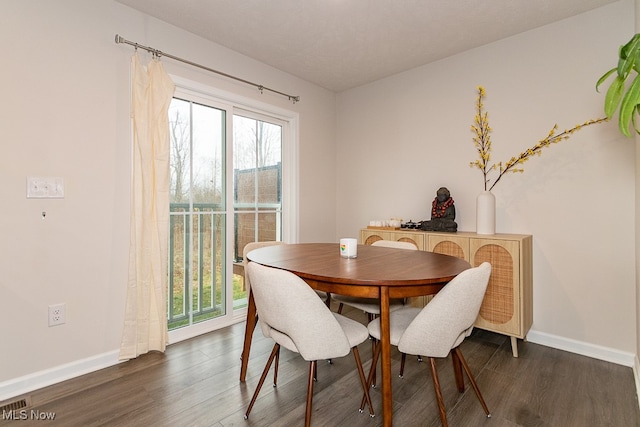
443, 213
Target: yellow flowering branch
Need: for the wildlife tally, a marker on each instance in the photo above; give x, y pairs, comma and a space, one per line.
482, 141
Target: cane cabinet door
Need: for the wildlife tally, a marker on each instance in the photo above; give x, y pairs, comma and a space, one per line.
500, 311
450, 245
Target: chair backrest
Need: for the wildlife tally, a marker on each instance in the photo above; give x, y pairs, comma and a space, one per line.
286, 304
248, 248
395, 244
445, 322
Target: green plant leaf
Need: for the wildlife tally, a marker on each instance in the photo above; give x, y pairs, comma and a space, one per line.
604, 77
636, 64
633, 119
613, 97
626, 48
628, 106
628, 55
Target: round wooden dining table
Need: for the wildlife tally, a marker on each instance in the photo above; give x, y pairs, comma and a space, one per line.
377, 272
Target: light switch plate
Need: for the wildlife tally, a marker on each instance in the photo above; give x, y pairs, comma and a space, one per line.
45, 187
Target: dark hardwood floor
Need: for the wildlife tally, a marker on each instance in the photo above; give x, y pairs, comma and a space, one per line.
195, 383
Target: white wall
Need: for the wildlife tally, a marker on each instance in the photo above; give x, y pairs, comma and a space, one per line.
401, 138
65, 112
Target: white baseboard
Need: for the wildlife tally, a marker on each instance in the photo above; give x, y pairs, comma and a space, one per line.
28, 383
636, 375
583, 348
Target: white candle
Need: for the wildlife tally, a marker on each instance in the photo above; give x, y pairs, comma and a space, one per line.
349, 248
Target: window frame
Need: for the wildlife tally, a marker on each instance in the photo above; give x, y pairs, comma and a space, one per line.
236, 104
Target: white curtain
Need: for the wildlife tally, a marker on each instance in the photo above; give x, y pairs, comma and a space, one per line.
145, 325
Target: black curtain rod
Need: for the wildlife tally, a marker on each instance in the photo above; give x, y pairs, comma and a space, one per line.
159, 54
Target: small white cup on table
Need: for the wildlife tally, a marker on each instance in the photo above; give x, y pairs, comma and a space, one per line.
349, 248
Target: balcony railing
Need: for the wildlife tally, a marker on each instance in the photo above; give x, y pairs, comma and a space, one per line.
196, 263
197, 256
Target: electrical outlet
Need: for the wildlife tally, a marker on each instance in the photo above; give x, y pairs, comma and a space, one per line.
57, 314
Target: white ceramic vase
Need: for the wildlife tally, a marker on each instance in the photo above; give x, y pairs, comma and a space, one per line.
486, 213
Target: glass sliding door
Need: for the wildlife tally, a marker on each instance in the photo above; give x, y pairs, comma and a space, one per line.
233, 181
197, 290
257, 187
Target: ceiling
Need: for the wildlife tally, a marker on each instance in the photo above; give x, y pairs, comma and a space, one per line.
341, 44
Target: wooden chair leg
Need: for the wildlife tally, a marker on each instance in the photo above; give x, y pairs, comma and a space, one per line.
340, 308
472, 380
402, 362
436, 386
370, 318
457, 370
275, 370
372, 373
374, 345
363, 381
255, 323
274, 352
307, 415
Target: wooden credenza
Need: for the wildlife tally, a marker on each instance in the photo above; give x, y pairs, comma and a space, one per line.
508, 304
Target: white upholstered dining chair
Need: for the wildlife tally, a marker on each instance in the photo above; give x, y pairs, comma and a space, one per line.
439, 328
295, 318
257, 245
245, 261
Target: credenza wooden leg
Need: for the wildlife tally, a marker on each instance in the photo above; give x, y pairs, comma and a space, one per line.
514, 346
